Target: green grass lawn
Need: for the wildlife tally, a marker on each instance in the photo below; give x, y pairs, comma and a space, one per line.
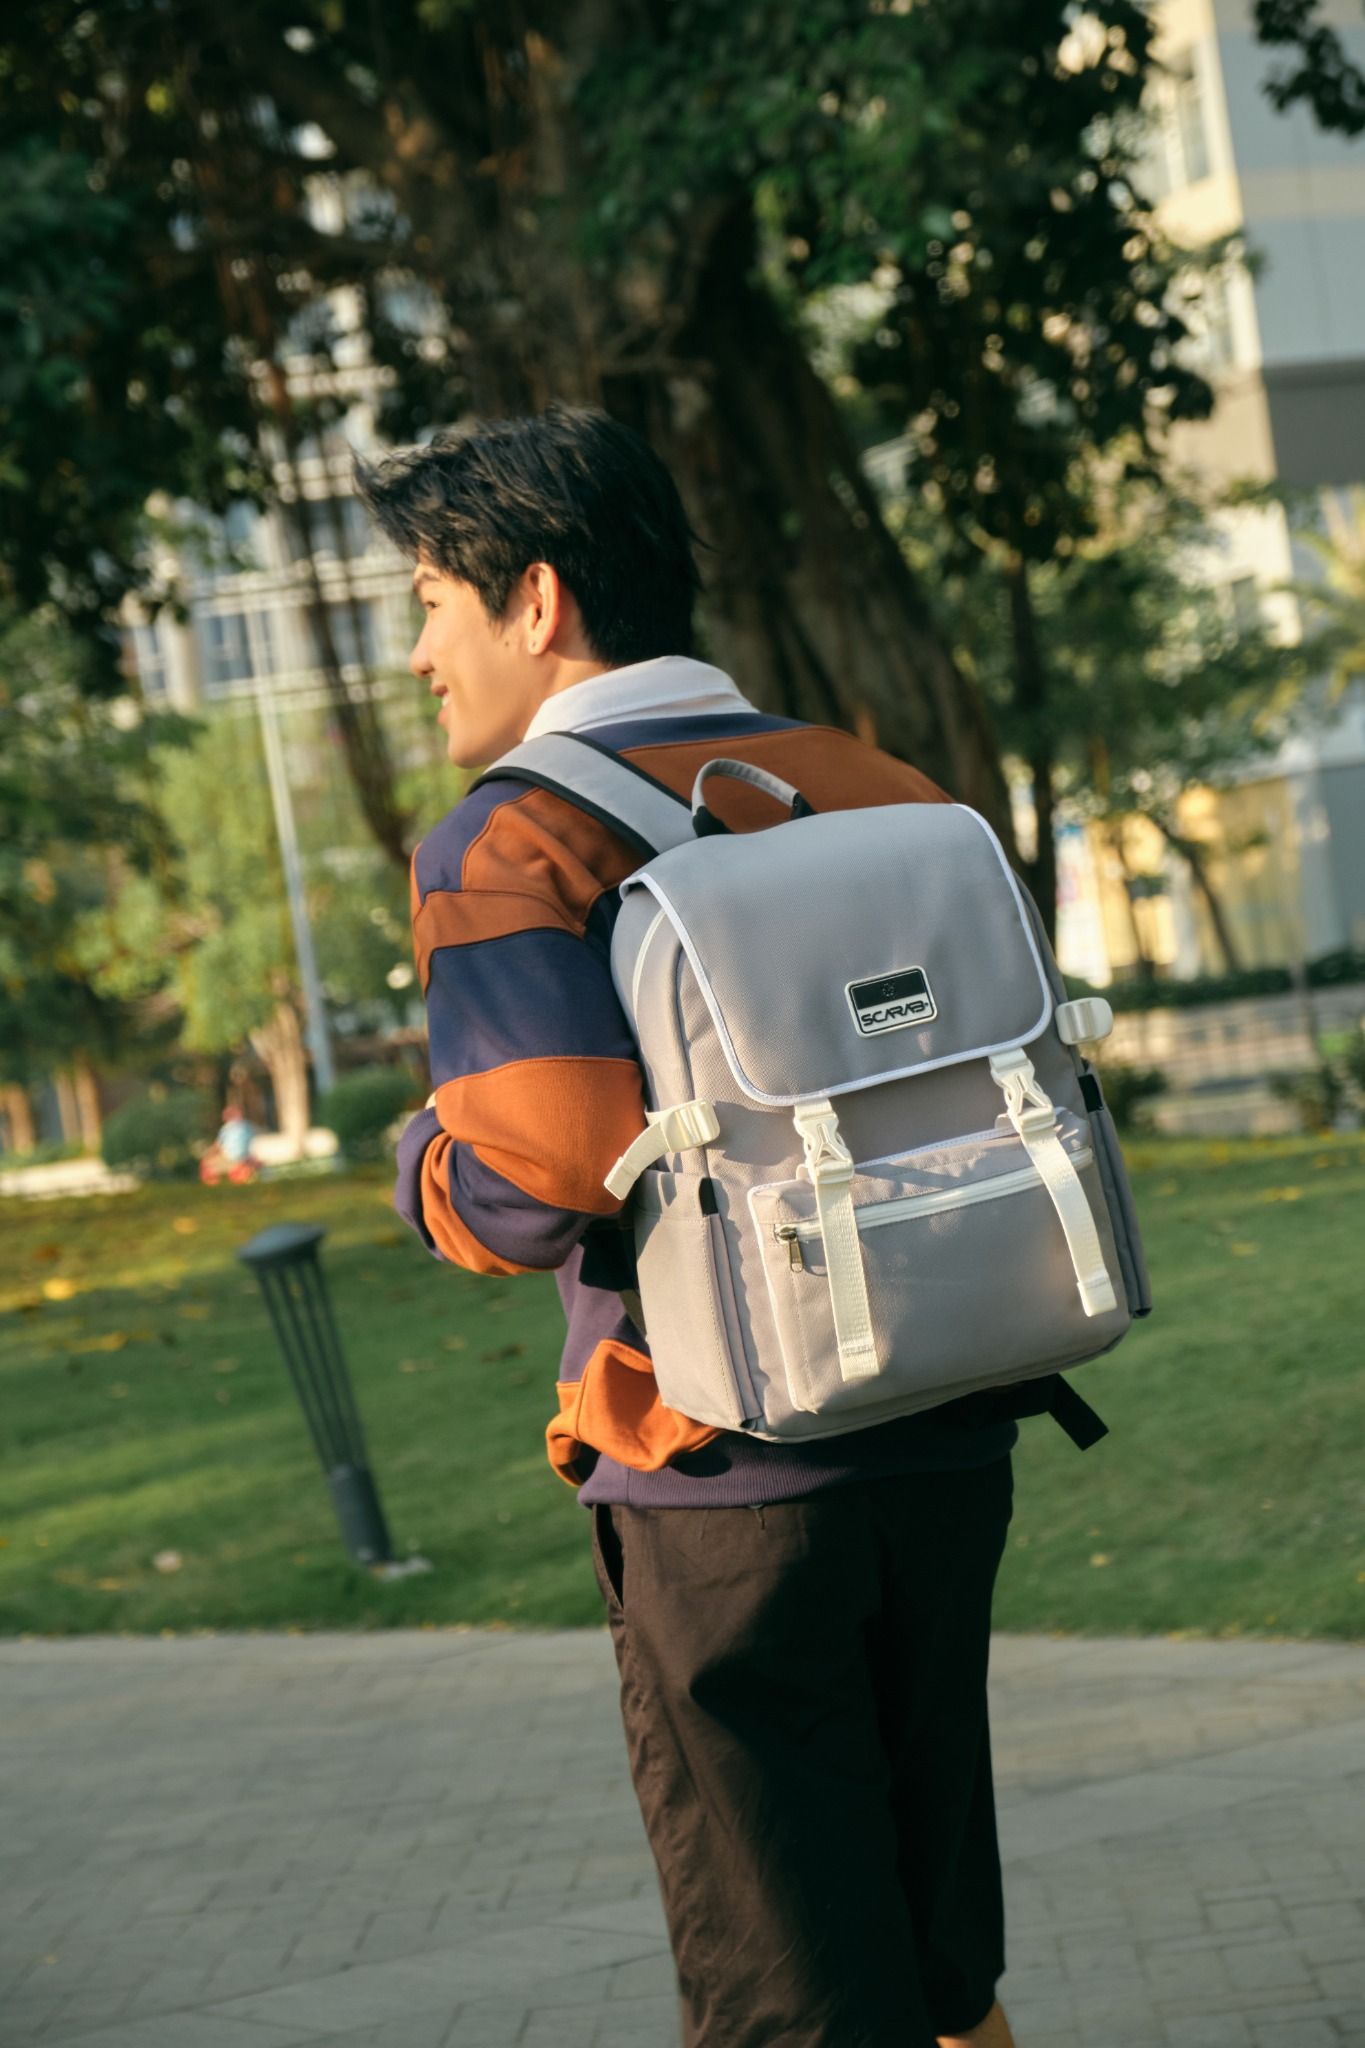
144, 1408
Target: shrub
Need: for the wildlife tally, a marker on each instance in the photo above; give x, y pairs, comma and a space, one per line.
1331, 970
46, 1154
160, 1136
1353, 1059
1317, 1093
1125, 1089
362, 1106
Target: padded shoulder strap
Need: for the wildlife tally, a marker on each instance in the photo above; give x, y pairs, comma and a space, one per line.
643, 812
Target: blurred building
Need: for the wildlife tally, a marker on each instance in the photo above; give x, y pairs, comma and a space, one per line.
243, 638
1283, 341
245, 582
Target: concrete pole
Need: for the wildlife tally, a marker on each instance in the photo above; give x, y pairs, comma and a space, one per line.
319, 1038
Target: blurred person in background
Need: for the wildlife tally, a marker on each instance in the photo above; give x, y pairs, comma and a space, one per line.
230, 1152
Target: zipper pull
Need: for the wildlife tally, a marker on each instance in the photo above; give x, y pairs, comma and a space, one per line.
789, 1235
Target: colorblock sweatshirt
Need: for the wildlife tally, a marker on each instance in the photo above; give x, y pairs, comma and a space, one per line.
538, 1091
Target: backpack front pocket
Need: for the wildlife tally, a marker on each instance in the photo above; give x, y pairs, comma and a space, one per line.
969, 1277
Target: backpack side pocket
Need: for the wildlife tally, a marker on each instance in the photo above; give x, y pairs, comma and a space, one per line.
691, 1324
1118, 1195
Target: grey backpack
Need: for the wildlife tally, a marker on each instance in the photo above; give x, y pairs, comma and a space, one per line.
878, 1174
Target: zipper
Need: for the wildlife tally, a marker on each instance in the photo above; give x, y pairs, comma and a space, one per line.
874, 1214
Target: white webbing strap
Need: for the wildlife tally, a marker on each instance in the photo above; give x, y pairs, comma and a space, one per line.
829, 1167
668, 1130
1034, 1116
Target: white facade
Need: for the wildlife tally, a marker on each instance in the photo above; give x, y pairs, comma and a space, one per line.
1283, 342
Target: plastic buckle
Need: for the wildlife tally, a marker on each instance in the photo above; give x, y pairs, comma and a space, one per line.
829, 1163
828, 1169
1028, 1107
686, 1124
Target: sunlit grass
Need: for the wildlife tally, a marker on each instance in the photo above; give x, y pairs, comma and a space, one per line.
144, 1408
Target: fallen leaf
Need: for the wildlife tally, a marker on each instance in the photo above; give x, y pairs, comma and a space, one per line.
223, 1396
112, 1585
47, 1252
1243, 1251
1282, 1194
168, 1561
456, 1343
196, 1311
59, 1288
1101, 1557
112, 1340
186, 1225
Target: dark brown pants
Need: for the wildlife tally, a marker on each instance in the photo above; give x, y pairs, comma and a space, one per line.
804, 1695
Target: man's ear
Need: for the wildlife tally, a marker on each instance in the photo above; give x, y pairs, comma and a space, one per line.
545, 597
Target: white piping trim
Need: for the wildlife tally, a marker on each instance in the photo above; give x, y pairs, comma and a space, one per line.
644, 880
656, 921
909, 1208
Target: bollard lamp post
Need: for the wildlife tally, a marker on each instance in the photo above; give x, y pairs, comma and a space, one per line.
284, 1259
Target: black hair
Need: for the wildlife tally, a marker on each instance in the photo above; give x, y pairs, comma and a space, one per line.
569, 486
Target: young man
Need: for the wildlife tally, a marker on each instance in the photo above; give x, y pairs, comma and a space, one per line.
801, 1631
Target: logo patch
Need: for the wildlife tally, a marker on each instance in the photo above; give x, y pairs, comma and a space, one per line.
892, 1002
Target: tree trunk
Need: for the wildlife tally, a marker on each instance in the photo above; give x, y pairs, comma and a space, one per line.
280, 1045
1192, 853
810, 602
88, 1110
1030, 683
67, 1108
18, 1113
1146, 969
358, 718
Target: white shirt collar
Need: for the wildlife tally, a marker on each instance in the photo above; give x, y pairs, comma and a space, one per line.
670, 683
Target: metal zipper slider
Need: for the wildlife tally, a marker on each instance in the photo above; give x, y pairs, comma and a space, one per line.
789, 1235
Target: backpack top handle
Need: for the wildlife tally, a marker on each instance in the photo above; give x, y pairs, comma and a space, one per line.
705, 822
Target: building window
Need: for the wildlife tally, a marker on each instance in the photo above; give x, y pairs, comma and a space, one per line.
1187, 129
353, 634
1244, 602
144, 657
241, 521
1176, 149
233, 648
1207, 312
324, 516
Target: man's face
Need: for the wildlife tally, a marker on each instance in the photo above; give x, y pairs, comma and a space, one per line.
482, 671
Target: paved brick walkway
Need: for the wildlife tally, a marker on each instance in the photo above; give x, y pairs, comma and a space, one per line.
427, 1840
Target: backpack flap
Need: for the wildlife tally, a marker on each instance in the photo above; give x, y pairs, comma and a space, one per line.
835, 952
